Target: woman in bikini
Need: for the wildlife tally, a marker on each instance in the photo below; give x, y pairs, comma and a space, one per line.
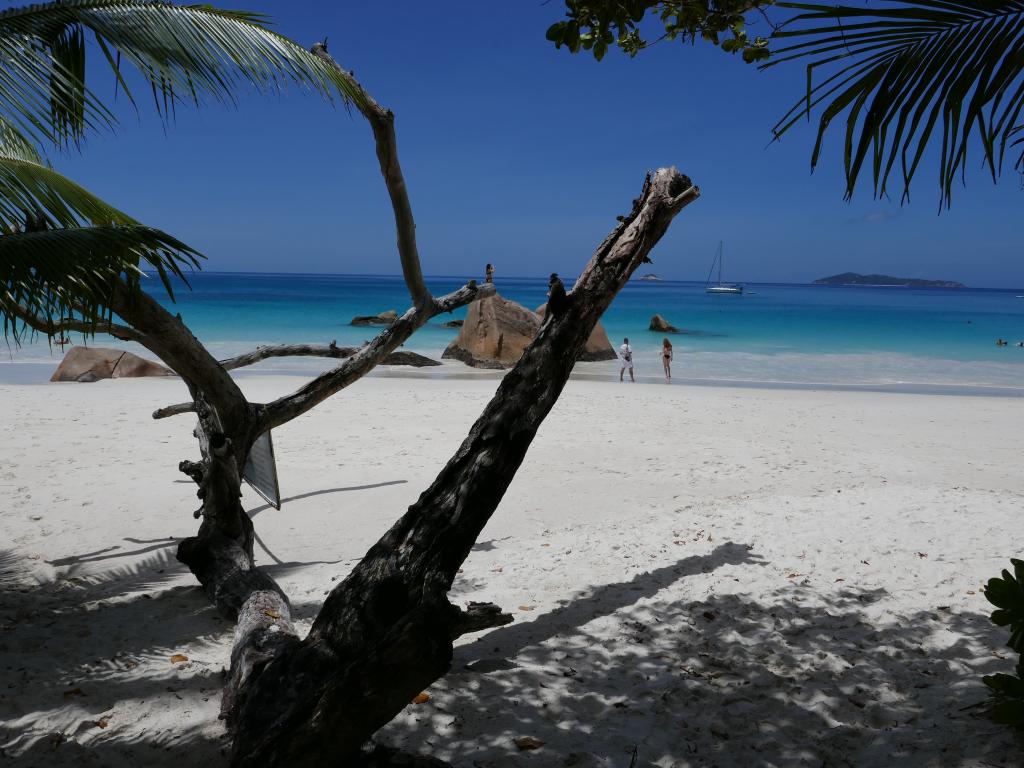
666, 358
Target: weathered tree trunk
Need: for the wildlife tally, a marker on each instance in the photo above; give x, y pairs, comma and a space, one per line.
385, 633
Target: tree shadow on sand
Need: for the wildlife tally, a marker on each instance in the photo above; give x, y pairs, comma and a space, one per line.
793, 678
796, 677
103, 647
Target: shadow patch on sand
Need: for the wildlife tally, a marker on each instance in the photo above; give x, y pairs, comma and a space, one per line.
791, 678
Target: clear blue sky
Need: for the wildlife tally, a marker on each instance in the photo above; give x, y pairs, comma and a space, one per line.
522, 155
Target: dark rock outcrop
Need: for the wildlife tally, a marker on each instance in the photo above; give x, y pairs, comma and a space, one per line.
661, 325
384, 318
403, 357
453, 324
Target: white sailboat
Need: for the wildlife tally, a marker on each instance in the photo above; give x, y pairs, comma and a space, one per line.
728, 288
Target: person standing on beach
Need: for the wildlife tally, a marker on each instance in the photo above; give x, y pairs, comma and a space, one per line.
666, 358
489, 274
626, 360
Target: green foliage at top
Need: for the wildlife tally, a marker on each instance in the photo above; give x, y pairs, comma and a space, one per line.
594, 25
1007, 594
62, 249
907, 75
183, 52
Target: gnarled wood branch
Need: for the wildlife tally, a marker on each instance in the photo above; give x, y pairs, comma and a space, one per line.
366, 358
384, 633
320, 350
382, 121
174, 410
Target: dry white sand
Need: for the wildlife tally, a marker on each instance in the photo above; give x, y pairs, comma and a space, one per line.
709, 577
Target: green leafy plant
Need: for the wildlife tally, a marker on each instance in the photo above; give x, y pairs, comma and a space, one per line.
594, 25
1007, 594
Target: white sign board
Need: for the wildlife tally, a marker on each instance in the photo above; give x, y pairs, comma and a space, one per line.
261, 470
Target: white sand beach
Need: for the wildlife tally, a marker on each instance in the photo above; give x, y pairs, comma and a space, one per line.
702, 576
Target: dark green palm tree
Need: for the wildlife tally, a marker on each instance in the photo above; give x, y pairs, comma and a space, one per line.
63, 249
911, 76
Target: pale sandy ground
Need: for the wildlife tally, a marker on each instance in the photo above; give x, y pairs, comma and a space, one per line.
712, 577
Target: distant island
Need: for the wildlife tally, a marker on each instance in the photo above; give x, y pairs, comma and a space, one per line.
852, 278
651, 276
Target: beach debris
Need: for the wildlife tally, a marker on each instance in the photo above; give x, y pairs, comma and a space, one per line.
527, 607
179, 658
102, 722
709, 615
271, 614
421, 698
922, 554
524, 743
73, 692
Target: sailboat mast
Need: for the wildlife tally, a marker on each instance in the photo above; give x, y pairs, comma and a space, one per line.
719, 262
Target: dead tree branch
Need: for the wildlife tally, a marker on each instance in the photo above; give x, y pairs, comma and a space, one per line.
354, 368
174, 410
384, 633
321, 350
382, 121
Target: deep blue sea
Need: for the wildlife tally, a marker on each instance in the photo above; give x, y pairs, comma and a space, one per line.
799, 334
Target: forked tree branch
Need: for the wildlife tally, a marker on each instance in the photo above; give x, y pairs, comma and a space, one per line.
382, 121
384, 634
326, 384
260, 354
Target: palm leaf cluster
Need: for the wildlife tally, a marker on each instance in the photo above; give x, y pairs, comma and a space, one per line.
62, 248
906, 72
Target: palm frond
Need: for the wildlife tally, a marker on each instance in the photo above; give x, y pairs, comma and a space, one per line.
191, 52
904, 70
54, 274
33, 195
62, 247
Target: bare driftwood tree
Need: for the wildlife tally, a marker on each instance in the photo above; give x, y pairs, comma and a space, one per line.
221, 554
386, 631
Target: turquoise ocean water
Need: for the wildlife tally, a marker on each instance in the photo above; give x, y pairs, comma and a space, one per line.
796, 334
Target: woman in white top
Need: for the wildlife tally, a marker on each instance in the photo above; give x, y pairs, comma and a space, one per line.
626, 359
